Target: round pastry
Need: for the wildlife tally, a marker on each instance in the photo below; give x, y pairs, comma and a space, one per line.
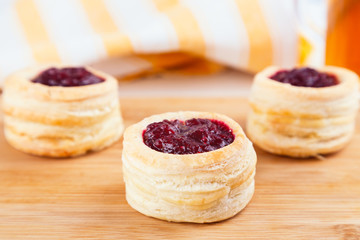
303, 112
188, 167
61, 112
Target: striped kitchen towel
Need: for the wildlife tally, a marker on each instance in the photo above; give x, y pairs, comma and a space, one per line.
244, 34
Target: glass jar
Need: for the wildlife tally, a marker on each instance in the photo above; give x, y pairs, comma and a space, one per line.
343, 35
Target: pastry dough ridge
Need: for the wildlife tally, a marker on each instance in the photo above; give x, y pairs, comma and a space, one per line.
60, 121
203, 187
302, 121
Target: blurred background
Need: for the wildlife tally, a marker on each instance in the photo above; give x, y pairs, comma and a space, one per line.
180, 47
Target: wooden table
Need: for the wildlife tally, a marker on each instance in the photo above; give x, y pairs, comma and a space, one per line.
84, 197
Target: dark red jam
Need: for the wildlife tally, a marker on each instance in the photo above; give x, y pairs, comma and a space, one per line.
195, 135
67, 77
305, 77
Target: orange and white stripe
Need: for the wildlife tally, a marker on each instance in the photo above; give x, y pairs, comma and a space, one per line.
68, 27
284, 40
15, 50
223, 29
244, 34
149, 31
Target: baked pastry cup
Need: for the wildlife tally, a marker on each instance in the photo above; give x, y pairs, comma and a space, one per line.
202, 187
302, 121
57, 121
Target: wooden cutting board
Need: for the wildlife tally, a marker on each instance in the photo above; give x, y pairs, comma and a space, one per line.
84, 197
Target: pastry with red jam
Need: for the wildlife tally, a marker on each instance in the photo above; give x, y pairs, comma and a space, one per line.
303, 112
61, 111
188, 167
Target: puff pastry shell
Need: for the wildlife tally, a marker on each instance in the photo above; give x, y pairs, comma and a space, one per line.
203, 187
60, 121
302, 121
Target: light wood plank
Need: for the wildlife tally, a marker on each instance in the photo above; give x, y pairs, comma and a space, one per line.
84, 197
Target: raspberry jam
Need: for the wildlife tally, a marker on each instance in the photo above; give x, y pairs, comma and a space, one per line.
305, 77
192, 136
67, 77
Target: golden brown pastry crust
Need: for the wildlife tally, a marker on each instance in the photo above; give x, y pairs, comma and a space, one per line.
203, 187
302, 121
60, 121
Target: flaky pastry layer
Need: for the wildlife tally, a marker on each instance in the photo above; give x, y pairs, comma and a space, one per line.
302, 121
203, 187
60, 121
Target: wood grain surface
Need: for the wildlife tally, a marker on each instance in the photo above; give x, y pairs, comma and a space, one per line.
84, 197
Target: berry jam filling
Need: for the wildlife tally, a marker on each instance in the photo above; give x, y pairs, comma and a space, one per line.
67, 77
195, 135
305, 77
